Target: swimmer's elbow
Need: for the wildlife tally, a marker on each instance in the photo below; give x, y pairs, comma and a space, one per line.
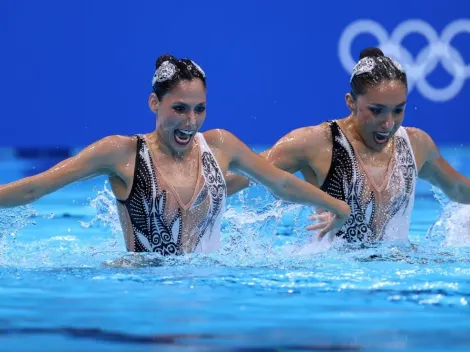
284, 187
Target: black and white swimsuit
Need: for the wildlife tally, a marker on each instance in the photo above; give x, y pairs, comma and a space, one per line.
378, 212
153, 217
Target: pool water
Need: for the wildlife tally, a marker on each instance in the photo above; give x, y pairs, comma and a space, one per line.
67, 284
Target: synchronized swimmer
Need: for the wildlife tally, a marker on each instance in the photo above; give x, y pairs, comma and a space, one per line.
171, 184
368, 159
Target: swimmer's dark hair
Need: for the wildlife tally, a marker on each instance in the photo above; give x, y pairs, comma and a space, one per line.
384, 69
185, 71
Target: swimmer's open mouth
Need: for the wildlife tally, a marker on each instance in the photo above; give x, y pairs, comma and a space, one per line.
381, 137
183, 137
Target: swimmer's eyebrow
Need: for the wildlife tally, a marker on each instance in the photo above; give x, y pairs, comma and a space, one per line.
384, 106
186, 104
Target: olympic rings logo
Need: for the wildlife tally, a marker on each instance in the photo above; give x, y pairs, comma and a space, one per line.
438, 50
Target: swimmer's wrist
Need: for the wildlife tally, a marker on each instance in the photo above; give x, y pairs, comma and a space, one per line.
345, 209
341, 208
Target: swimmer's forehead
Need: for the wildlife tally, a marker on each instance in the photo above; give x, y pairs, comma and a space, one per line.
390, 93
188, 92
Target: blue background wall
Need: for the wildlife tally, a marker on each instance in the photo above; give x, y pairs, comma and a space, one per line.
75, 71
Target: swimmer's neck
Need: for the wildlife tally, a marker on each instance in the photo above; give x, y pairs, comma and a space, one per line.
351, 126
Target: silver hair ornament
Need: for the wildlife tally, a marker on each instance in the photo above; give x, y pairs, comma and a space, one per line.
364, 65
164, 72
199, 69
397, 65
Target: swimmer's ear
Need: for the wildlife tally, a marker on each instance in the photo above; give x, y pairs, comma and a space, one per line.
350, 102
153, 102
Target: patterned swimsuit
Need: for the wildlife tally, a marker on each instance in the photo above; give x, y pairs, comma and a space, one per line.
153, 217
378, 212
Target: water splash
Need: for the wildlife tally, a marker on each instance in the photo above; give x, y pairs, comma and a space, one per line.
15, 219
258, 230
12, 221
106, 211
452, 229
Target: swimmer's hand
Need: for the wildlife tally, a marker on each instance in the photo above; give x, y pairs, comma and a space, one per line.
328, 222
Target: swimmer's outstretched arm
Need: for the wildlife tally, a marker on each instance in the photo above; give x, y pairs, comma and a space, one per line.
437, 171
97, 159
287, 154
281, 183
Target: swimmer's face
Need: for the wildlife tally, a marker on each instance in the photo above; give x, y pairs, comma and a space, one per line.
181, 113
379, 113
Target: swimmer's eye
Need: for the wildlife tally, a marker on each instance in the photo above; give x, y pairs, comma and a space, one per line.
179, 108
375, 111
398, 111
200, 109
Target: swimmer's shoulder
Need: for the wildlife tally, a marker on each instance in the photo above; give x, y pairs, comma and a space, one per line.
223, 144
308, 138
423, 145
419, 137
120, 144
218, 137
107, 154
117, 148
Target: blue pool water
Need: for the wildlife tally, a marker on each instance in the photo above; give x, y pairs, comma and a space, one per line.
67, 284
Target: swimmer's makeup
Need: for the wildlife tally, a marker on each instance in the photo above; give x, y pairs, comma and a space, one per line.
378, 109
181, 108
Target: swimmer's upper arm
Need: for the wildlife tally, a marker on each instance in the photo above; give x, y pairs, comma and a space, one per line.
279, 182
437, 171
288, 154
291, 152
234, 181
244, 161
97, 159
240, 158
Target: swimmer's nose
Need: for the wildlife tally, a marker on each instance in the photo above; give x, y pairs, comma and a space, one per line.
192, 117
389, 122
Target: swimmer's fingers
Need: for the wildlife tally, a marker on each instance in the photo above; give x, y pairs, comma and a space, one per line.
324, 220
325, 230
328, 222
318, 226
322, 216
332, 225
